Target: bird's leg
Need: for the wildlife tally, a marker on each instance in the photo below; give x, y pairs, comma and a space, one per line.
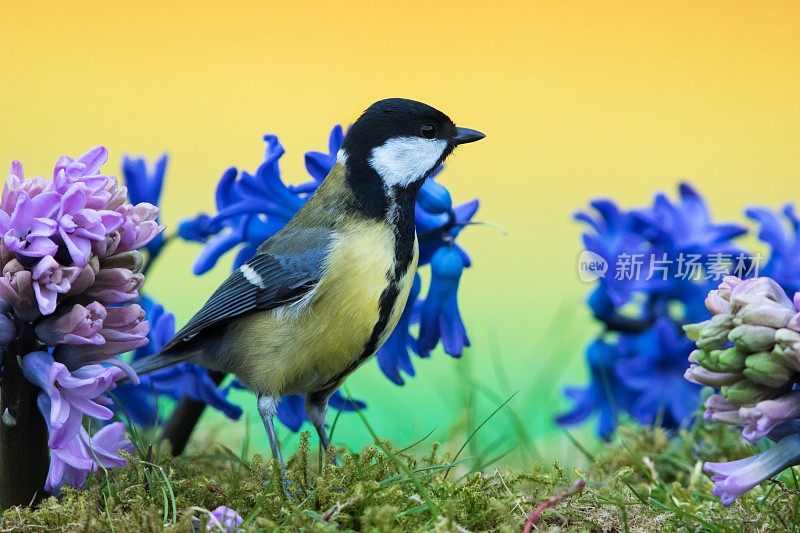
317, 409
267, 408
317, 413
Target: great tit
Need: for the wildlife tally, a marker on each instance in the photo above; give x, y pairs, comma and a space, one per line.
324, 293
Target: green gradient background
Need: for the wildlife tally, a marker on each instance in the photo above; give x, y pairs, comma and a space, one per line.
578, 100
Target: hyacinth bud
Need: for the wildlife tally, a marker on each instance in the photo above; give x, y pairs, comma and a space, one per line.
726, 287
107, 246
140, 225
693, 330
718, 409
758, 291
727, 360
133, 261
116, 285
716, 304
124, 317
773, 316
16, 288
118, 197
751, 338
117, 341
86, 277
714, 332
81, 326
766, 370
745, 392
787, 348
704, 376
794, 322
763, 417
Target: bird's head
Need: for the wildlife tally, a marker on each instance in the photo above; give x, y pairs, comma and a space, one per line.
397, 143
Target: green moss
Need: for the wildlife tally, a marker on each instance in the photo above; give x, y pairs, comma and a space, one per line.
645, 481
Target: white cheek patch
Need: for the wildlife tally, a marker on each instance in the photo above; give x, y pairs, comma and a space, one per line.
401, 161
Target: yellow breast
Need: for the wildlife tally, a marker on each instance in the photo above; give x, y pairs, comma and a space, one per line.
301, 348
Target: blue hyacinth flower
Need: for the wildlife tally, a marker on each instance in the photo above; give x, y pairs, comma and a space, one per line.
637, 363
146, 186
292, 413
606, 394
140, 403
439, 315
783, 238
654, 368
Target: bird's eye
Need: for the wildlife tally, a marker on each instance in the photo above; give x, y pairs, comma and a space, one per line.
428, 131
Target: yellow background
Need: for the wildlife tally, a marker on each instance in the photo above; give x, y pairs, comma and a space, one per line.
578, 100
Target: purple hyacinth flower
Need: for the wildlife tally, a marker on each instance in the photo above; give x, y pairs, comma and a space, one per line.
81, 325
439, 316
116, 285
139, 226
766, 415
71, 462
50, 280
71, 394
224, 519
393, 356
16, 289
28, 229
16, 184
79, 225
118, 339
718, 409
734, 478
144, 187
85, 171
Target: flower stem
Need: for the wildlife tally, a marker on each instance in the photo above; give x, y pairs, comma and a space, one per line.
24, 456
184, 418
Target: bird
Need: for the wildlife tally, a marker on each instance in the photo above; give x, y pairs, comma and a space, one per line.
325, 292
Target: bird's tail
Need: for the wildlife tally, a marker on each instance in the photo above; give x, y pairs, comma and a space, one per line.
151, 363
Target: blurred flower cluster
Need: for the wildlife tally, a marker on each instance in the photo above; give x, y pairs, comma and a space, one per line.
661, 261
140, 402
749, 350
251, 207
71, 273
653, 268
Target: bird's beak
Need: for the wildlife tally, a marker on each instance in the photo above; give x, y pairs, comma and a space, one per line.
466, 135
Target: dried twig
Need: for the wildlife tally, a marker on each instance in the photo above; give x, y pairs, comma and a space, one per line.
573, 489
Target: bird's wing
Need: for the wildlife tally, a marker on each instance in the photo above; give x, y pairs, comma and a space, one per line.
280, 274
